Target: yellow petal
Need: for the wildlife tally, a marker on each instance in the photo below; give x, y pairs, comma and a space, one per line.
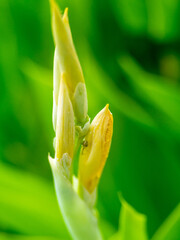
56, 83
65, 126
96, 149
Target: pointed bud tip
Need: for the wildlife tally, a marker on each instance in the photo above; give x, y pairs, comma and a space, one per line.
65, 15
108, 111
54, 8
107, 106
52, 4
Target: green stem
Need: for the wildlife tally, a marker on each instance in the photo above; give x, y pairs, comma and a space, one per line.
79, 218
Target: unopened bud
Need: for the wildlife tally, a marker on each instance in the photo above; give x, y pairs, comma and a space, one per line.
69, 62
65, 126
80, 102
95, 149
56, 83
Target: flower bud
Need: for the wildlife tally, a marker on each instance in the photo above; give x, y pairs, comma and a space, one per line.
80, 102
95, 149
65, 126
56, 83
69, 62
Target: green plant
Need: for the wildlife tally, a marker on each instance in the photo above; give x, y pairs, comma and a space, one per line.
76, 196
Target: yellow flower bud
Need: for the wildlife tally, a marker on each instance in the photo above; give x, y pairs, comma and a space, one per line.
56, 83
69, 62
95, 149
65, 126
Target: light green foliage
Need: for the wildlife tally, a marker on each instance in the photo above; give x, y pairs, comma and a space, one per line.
28, 204
155, 90
170, 229
156, 18
4, 236
131, 223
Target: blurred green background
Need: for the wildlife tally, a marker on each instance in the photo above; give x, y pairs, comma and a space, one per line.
130, 54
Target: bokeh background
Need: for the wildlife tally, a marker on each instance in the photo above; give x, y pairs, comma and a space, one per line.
130, 54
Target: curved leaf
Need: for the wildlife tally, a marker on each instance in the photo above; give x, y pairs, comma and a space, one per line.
170, 229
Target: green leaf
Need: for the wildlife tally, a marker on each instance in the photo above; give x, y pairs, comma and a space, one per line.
132, 224
116, 236
170, 229
5, 236
131, 15
28, 204
79, 218
40, 80
154, 89
157, 19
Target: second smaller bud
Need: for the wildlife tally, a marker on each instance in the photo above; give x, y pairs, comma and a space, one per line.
95, 150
